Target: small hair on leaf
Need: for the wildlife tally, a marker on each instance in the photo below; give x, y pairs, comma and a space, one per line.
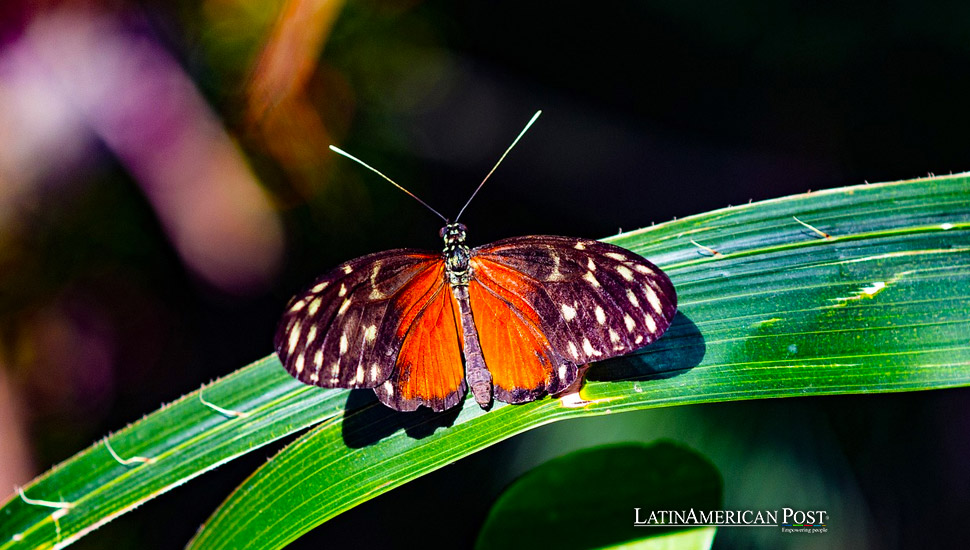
59, 505
126, 461
708, 249
225, 412
816, 230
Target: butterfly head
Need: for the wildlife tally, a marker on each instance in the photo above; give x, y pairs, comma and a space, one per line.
453, 233
456, 253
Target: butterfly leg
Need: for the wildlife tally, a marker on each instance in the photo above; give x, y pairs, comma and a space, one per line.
476, 373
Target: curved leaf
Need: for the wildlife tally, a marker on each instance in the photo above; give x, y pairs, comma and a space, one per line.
549, 506
779, 309
180, 441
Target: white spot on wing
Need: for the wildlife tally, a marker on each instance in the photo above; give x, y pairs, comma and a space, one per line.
600, 315
389, 388
625, 272
343, 307
651, 324
298, 364
311, 334
314, 377
297, 306
348, 269
318, 359
563, 370
616, 256
629, 322
632, 297
590, 265
556, 275
643, 269
294, 337
375, 371
653, 299
343, 344
592, 279
375, 293
360, 374
342, 291
314, 306
579, 246
588, 348
573, 351
639, 339
568, 313
370, 333
614, 337
335, 370
319, 287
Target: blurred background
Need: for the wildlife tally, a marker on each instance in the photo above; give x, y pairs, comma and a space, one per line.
165, 187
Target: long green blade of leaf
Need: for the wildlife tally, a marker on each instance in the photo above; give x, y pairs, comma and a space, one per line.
867, 290
178, 442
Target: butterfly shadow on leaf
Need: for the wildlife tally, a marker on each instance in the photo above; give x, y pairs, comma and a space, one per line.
679, 350
367, 421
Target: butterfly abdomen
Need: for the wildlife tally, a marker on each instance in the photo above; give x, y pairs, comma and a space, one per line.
477, 374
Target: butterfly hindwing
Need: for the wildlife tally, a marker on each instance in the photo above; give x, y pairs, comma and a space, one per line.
343, 331
429, 370
516, 352
591, 300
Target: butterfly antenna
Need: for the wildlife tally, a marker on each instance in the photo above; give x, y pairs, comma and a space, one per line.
340, 151
522, 133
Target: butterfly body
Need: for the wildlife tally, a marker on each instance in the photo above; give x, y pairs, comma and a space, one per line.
512, 320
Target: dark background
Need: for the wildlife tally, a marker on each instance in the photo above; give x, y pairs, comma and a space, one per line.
652, 110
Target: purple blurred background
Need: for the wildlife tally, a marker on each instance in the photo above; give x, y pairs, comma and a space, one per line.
165, 186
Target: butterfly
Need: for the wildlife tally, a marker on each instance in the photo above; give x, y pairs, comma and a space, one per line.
513, 320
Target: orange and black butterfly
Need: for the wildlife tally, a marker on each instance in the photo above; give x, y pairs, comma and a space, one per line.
515, 318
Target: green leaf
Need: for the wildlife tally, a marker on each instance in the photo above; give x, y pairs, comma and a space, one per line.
181, 440
882, 306
699, 539
588, 498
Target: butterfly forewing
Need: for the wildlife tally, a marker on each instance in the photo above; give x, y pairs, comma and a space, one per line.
591, 300
344, 331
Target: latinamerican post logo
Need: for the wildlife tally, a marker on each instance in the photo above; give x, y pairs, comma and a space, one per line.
789, 520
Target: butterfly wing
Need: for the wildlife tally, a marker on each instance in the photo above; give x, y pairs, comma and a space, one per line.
340, 332
522, 362
548, 304
429, 370
383, 321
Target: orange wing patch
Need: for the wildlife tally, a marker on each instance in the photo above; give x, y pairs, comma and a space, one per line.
416, 296
522, 363
429, 369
